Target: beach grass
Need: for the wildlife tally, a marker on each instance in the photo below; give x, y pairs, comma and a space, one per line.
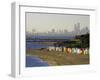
56, 58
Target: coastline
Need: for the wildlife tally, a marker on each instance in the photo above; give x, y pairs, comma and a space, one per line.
58, 58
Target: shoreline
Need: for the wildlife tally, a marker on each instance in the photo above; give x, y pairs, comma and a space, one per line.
58, 58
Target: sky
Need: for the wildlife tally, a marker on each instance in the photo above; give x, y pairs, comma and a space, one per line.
44, 22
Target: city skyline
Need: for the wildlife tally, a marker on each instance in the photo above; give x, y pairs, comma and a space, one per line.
44, 22
76, 31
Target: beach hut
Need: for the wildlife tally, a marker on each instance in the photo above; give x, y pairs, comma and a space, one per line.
58, 48
86, 51
74, 50
79, 51
64, 49
51, 48
69, 50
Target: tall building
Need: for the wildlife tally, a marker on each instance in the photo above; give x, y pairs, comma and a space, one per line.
53, 30
65, 30
77, 29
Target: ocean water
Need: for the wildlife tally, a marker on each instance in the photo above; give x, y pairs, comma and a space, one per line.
31, 45
53, 37
35, 62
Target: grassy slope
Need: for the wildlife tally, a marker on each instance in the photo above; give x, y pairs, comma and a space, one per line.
59, 58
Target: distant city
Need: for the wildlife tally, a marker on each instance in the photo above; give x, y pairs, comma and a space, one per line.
53, 32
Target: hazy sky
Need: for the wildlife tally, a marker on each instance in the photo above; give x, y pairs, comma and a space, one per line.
43, 22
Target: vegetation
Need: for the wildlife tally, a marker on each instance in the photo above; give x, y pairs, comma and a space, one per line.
84, 40
80, 41
54, 58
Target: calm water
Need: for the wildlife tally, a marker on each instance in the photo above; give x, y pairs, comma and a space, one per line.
30, 45
53, 37
35, 62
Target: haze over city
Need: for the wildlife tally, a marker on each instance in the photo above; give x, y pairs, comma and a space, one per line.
45, 23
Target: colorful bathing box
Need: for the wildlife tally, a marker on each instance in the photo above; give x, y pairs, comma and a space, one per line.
70, 50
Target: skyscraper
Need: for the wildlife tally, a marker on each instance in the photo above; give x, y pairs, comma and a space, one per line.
77, 29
